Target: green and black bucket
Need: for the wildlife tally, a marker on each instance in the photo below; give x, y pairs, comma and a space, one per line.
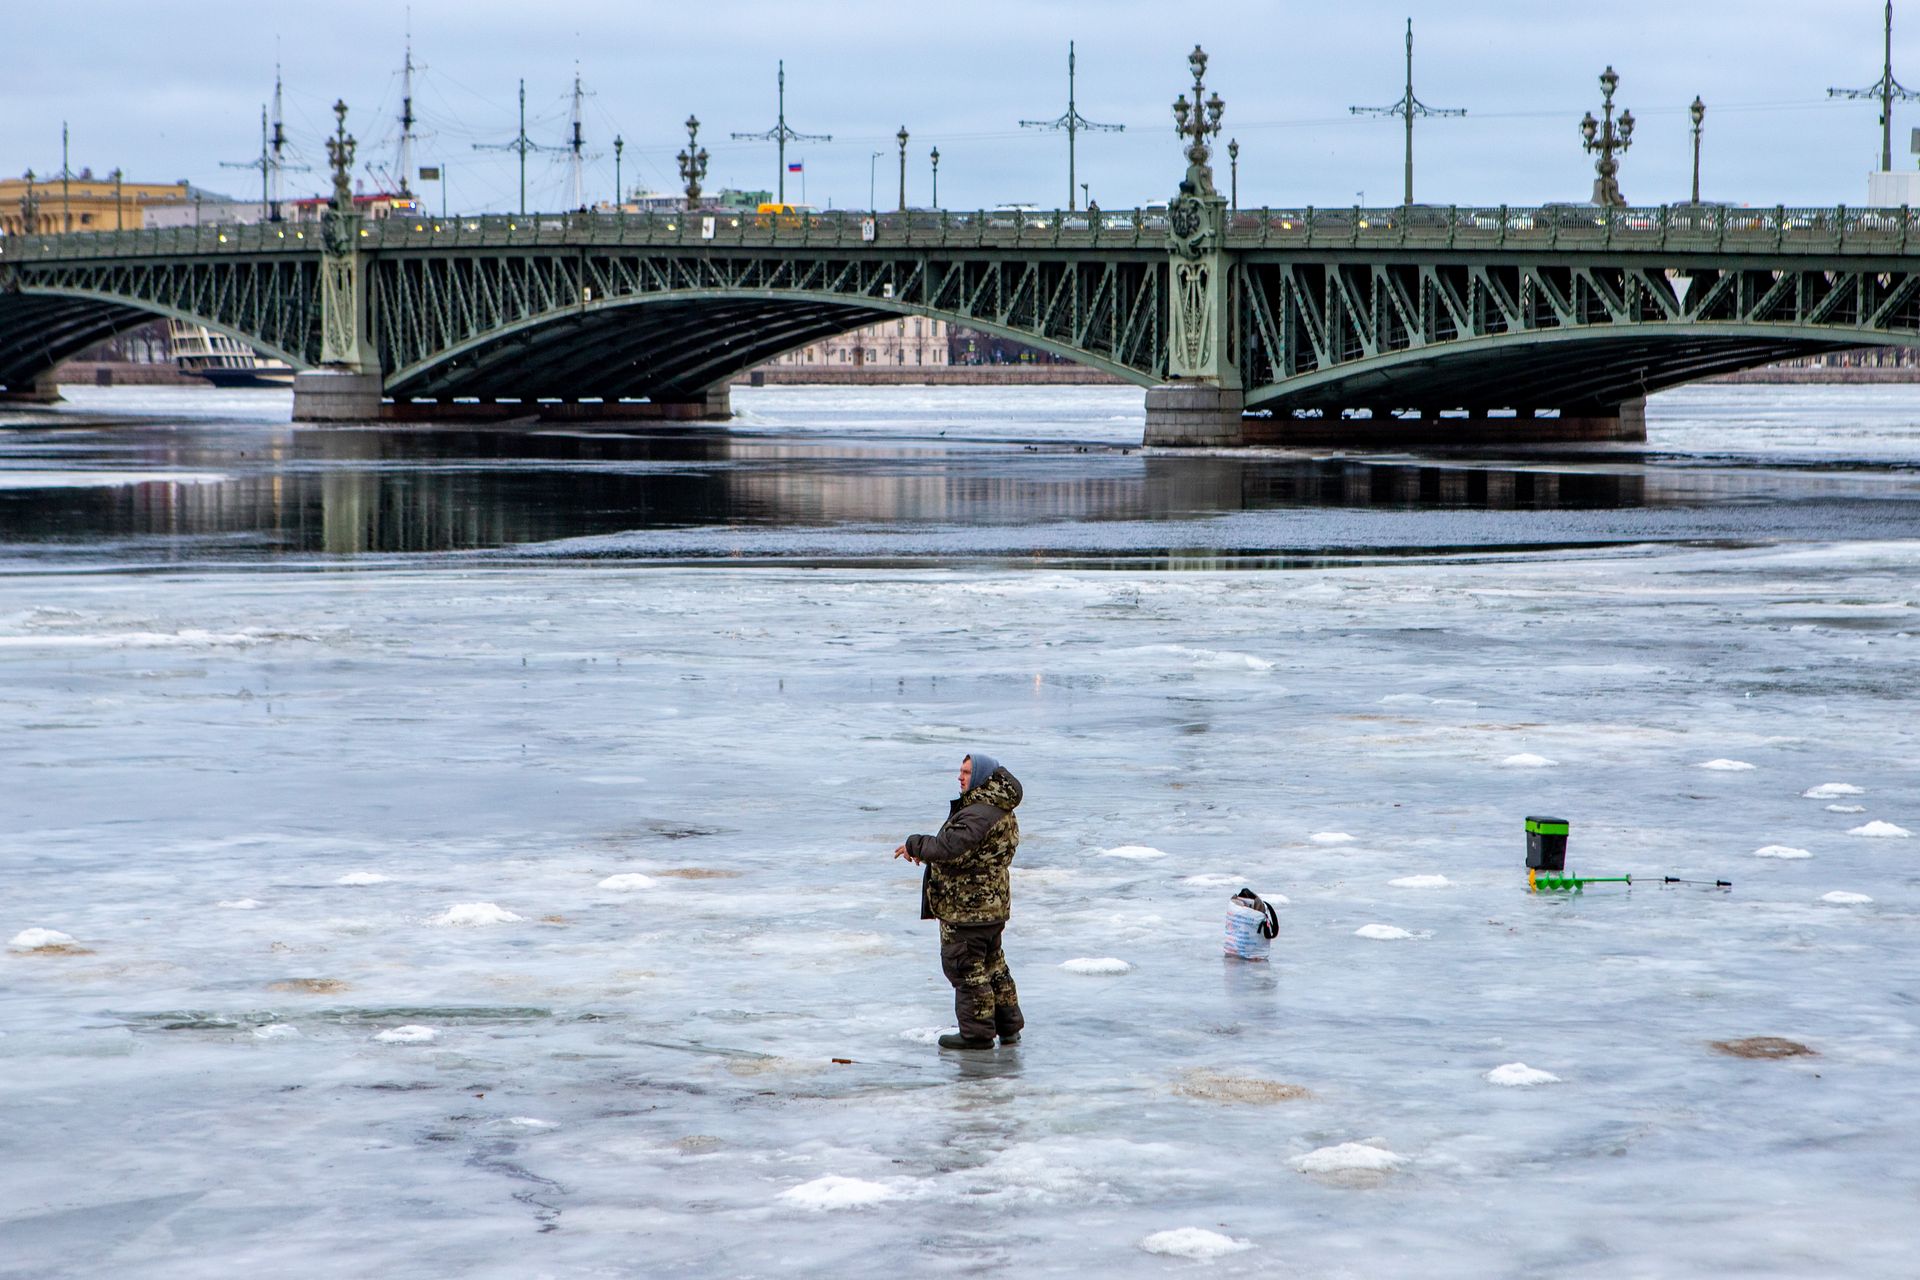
1546, 844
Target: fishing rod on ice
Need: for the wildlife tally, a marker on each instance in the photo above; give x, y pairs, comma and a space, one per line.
1547, 864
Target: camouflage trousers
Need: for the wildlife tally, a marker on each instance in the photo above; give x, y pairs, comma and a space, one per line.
984, 1000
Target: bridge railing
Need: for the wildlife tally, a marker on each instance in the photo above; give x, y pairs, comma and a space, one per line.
1685, 227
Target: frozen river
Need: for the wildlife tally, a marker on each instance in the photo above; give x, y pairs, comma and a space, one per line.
467, 856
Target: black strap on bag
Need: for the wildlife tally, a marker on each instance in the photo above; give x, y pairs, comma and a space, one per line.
1269, 927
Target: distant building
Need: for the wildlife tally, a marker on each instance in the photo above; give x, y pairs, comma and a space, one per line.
975, 347
907, 343
726, 201
87, 203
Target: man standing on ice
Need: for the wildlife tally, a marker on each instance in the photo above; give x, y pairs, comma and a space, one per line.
966, 889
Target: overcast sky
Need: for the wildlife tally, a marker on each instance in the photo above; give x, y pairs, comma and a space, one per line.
169, 91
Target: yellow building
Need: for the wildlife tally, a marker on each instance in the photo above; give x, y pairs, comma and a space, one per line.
82, 203
890, 344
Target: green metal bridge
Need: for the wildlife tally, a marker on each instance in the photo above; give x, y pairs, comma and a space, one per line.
1407, 320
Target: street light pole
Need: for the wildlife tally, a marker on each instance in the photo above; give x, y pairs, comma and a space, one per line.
1233, 154
119, 220
1699, 112
66, 172
693, 163
1604, 138
902, 136
619, 145
936, 177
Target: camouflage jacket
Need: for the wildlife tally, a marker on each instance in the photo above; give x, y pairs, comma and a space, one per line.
966, 877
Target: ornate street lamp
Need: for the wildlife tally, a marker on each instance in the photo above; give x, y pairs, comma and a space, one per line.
119, 222
1233, 153
693, 163
902, 136
1607, 139
340, 148
619, 145
936, 177
1198, 120
30, 209
1698, 112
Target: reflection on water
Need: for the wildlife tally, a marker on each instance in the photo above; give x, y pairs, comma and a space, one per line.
273, 489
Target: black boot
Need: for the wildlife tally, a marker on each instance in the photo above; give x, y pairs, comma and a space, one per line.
965, 1042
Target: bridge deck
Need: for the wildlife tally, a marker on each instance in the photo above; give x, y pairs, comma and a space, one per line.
1559, 228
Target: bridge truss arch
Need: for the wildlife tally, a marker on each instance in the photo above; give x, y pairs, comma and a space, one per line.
52, 311
616, 324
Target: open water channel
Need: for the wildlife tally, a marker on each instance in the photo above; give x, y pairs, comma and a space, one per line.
436, 853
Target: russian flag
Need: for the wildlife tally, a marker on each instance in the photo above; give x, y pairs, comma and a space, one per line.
796, 167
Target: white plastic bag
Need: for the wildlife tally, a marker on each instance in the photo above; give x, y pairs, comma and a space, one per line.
1251, 926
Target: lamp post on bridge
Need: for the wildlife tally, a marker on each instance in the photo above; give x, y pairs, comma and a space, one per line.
936, 177
693, 163
902, 136
619, 145
30, 208
119, 219
1233, 154
1697, 112
1607, 139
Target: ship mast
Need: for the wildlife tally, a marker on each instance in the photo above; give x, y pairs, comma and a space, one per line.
407, 119
576, 144
278, 145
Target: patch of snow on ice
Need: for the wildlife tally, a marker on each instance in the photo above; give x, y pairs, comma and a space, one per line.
528, 1122
836, 1192
1840, 897
927, 1035
628, 880
362, 877
1214, 659
276, 1031
1212, 881
239, 904
35, 939
1829, 790
1882, 830
1193, 1242
1133, 852
1528, 760
467, 914
1421, 882
1097, 965
1518, 1075
1331, 837
1780, 851
413, 1033
1727, 766
1348, 1157
1846, 808
1381, 932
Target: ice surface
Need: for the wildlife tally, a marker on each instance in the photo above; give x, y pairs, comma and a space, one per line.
488, 731
1213, 880
36, 938
1382, 932
1348, 1157
1331, 837
836, 1192
362, 877
1528, 760
1829, 790
1193, 1242
412, 1033
1842, 897
240, 904
473, 914
628, 880
1518, 1075
1781, 851
277, 1031
1846, 808
1880, 830
1096, 965
1421, 882
1133, 852
1726, 766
